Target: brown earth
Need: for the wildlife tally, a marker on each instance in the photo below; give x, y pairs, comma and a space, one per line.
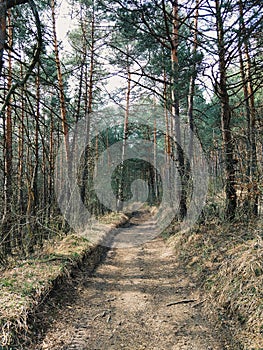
137, 298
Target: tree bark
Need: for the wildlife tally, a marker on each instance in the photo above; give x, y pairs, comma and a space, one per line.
62, 99
8, 157
230, 190
20, 172
125, 138
167, 124
250, 113
88, 100
176, 109
192, 82
51, 161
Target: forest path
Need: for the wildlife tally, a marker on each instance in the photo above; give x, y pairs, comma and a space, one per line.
126, 304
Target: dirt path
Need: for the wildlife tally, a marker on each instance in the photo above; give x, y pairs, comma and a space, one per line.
124, 304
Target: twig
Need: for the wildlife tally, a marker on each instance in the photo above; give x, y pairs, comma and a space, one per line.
199, 303
184, 301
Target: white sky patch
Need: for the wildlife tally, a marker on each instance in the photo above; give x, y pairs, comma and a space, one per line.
64, 23
115, 82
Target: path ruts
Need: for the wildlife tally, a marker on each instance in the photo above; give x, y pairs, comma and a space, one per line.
137, 298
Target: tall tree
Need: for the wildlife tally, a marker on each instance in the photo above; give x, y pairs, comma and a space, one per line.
193, 75
176, 107
222, 90
125, 135
8, 154
249, 100
62, 98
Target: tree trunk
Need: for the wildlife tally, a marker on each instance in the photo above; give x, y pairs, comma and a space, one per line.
8, 157
247, 172
156, 187
167, 124
250, 112
2, 33
125, 138
176, 110
230, 191
51, 168
20, 170
192, 82
88, 100
63, 111
33, 200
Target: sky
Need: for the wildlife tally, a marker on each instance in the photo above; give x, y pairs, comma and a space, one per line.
64, 23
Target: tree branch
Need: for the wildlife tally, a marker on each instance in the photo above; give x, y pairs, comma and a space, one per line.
36, 55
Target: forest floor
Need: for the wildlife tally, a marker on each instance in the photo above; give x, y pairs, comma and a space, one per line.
137, 298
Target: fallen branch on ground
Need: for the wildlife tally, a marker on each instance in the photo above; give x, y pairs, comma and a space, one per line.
185, 301
199, 303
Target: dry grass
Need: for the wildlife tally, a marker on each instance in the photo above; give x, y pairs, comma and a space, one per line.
241, 293
25, 284
112, 218
228, 261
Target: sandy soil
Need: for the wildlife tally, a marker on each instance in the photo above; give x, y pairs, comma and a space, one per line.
137, 298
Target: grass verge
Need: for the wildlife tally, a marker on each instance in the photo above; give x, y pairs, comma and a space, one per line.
227, 261
26, 283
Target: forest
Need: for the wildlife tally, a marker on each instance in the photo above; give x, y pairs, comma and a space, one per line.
198, 63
